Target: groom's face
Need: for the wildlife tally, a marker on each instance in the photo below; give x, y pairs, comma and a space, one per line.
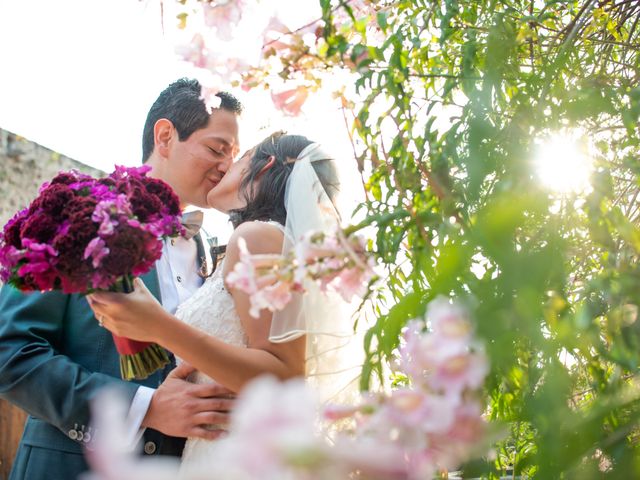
197, 164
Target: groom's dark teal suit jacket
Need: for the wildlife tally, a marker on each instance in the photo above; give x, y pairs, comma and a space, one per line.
54, 358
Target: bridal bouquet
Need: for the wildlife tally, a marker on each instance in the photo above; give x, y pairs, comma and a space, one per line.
83, 234
336, 261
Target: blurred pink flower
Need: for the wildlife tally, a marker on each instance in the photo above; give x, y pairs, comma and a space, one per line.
454, 374
352, 281
415, 409
315, 245
210, 98
194, 52
277, 295
465, 438
340, 266
275, 37
223, 16
272, 433
338, 412
447, 359
371, 457
290, 101
449, 320
110, 452
243, 275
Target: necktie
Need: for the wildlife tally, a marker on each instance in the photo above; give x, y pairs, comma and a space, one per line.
192, 221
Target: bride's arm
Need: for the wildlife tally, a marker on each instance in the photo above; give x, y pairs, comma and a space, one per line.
134, 316
230, 365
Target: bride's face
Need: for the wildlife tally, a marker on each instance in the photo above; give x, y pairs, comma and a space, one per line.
225, 196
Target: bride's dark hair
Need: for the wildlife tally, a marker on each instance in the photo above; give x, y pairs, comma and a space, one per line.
265, 198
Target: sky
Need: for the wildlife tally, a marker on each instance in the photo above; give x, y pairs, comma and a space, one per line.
78, 77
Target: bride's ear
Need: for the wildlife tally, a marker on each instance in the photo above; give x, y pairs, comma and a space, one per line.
271, 161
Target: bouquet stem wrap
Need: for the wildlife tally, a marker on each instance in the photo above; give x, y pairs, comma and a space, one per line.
138, 360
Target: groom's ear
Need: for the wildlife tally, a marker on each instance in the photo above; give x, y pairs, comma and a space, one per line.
162, 135
271, 161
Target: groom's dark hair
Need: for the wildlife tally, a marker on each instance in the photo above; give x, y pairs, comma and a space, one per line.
182, 104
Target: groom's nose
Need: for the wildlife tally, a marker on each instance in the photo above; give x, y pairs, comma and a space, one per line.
225, 164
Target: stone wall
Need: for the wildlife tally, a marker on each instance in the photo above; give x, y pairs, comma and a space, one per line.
24, 166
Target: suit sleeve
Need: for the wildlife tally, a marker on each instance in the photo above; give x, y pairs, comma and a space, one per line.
35, 375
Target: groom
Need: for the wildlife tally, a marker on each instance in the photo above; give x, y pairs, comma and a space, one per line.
54, 356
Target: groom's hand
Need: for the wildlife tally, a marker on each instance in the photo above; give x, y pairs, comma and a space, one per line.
183, 409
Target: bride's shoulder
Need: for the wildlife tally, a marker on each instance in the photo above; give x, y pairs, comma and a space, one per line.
261, 237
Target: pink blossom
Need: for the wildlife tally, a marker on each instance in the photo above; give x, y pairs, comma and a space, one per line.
255, 275
194, 52
223, 16
97, 250
371, 457
110, 452
275, 422
339, 412
447, 359
210, 99
456, 373
352, 281
290, 101
413, 408
107, 213
273, 297
278, 295
464, 439
313, 246
449, 320
243, 275
275, 37
359, 8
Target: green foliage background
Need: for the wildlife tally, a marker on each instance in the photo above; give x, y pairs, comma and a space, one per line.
561, 275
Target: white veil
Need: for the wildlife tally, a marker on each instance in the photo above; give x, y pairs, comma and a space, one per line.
334, 353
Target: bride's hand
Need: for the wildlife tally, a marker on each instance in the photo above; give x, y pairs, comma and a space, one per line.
134, 315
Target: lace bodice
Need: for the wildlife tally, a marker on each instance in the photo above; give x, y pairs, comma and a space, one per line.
211, 309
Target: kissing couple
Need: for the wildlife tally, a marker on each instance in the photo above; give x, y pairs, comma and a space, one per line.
57, 352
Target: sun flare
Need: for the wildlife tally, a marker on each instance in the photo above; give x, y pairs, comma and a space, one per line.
562, 164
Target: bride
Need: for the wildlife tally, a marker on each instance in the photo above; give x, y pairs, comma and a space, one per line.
277, 191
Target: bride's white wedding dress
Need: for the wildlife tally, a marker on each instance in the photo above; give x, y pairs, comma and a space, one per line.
210, 309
